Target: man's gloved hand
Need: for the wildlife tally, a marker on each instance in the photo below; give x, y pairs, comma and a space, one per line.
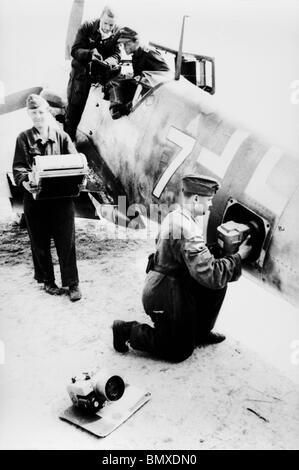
245, 248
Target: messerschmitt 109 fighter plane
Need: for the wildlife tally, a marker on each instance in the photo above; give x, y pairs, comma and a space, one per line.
172, 130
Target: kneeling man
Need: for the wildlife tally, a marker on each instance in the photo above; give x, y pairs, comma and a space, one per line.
186, 285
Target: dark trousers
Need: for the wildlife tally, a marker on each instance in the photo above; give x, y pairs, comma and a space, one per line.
47, 219
121, 93
77, 94
183, 313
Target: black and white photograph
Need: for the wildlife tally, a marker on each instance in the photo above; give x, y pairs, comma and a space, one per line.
149, 221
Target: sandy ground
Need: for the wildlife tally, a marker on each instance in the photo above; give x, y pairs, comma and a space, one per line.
202, 403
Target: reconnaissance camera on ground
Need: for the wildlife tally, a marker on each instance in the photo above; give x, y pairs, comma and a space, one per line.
90, 391
101, 401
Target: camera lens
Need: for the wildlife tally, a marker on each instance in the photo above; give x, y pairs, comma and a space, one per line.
111, 387
114, 388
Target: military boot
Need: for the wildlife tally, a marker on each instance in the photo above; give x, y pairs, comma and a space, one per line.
74, 292
213, 338
52, 289
121, 334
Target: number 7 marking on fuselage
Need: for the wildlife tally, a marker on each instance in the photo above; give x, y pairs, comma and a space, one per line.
186, 142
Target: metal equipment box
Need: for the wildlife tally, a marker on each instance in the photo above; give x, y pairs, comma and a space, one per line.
58, 176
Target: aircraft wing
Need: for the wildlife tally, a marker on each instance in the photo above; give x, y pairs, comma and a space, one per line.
17, 100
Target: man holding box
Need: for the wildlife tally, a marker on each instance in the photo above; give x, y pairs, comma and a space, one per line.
47, 218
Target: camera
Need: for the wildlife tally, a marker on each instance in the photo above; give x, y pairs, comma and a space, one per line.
230, 235
90, 391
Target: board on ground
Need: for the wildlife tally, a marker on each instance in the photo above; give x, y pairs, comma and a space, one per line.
111, 416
